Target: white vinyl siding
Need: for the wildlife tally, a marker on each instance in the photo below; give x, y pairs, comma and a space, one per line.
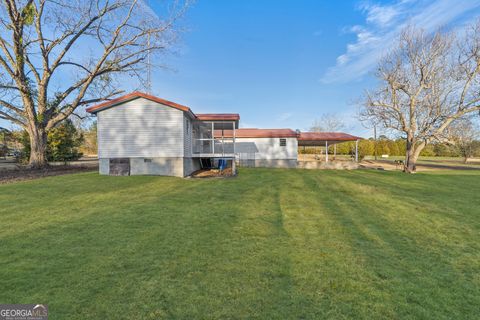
140, 128
267, 148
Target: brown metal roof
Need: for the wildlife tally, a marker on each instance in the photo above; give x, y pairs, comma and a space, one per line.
258, 133
137, 94
134, 95
218, 116
337, 136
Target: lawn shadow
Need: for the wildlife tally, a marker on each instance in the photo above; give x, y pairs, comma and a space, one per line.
397, 253
268, 244
183, 247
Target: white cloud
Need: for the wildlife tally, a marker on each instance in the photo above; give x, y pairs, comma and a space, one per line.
382, 25
343, 59
145, 6
382, 15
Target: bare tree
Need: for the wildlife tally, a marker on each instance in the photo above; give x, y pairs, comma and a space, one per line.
58, 55
328, 122
372, 123
464, 135
425, 83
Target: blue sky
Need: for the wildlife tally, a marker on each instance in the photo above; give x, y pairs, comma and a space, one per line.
284, 63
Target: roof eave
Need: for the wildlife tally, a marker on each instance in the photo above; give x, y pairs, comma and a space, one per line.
135, 95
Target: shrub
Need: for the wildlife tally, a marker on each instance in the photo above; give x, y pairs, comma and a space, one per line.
63, 142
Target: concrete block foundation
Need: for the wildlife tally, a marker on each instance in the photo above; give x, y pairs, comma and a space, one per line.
174, 166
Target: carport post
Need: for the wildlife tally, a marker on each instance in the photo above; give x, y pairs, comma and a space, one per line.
234, 141
326, 151
213, 139
356, 150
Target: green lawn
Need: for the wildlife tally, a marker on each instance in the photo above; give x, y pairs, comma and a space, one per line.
270, 244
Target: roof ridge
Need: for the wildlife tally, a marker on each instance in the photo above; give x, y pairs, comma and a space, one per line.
134, 95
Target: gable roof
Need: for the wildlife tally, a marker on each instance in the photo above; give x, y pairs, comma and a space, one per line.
137, 94
132, 96
326, 136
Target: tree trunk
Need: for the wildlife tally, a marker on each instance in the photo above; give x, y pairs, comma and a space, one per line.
410, 160
413, 152
38, 148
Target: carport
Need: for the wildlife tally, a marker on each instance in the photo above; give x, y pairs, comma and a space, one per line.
325, 139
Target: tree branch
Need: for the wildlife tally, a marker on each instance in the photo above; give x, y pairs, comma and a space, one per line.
6, 116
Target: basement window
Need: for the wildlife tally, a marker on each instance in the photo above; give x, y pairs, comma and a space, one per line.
283, 142
147, 160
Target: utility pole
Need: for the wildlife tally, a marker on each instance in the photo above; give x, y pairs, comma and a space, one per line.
149, 67
148, 85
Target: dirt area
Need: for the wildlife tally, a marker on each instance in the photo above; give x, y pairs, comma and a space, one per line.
321, 157
213, 173
330, 165
22, 173
422, 165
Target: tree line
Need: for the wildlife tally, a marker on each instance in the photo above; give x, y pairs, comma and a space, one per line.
397, 147
463, 140
68, 141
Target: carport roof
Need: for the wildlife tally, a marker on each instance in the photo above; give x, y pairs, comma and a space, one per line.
319, 138
218, 116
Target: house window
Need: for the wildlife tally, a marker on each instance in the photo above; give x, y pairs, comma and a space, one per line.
283, 142
147, 160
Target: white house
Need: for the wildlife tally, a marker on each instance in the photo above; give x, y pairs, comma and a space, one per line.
266, 147
140, 134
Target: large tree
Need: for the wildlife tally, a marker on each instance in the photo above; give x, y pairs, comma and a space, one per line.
59, 55
426, 82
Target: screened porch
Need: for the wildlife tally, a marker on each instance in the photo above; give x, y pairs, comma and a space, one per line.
213, 139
